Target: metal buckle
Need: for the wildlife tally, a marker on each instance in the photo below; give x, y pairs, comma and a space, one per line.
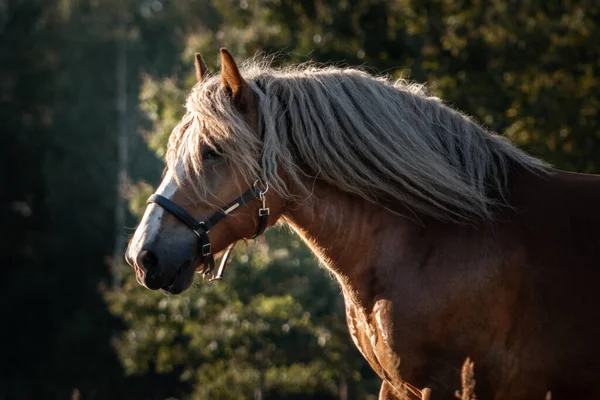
263, 211
206, 249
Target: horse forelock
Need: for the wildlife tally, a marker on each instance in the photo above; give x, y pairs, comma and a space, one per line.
386, 141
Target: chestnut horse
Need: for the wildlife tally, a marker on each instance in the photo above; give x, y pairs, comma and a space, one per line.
447, 240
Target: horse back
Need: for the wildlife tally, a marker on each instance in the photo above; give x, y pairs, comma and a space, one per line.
556, 226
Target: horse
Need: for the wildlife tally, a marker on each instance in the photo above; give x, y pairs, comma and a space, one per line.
447, 240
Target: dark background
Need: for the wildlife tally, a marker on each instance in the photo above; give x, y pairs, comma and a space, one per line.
89, 91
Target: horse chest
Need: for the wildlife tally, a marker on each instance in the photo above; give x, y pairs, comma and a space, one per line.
372, 334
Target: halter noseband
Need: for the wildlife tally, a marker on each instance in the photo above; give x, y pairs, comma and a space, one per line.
201, 228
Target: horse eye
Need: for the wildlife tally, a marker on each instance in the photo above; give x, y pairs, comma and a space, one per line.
210, 155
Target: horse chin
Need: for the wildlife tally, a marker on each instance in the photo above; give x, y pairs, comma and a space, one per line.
182, 279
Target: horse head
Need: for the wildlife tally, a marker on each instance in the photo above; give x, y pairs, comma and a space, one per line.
185, 222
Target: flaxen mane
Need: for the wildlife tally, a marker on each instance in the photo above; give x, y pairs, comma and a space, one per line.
387, 142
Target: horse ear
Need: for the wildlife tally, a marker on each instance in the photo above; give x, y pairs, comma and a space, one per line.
201, 70
232, 80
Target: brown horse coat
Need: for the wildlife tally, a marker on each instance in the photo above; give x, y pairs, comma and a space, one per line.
520, 297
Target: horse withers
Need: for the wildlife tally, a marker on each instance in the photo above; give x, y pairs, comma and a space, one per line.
448, 242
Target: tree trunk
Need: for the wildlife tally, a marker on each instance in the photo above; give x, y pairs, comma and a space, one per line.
122, 147
343, 388
259, 391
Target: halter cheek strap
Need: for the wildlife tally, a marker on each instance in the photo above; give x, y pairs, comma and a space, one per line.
201, 228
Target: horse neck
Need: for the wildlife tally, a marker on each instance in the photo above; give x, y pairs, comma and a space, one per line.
344, 231
367, 247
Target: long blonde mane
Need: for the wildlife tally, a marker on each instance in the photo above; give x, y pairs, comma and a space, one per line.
387, 142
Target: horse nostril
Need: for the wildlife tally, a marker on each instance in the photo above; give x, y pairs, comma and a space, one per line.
147, 261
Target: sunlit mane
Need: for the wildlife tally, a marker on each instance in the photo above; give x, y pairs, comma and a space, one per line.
387, 142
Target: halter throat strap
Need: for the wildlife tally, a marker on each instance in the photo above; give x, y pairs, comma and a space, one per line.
201, 228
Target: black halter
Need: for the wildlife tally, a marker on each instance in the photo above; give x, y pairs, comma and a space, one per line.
201, 228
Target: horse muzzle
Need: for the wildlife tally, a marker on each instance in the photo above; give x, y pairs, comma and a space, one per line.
155, 274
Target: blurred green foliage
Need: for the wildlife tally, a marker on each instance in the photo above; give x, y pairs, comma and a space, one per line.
275, 327
276, 324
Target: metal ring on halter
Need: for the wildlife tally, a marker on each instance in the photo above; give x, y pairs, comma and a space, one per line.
208, 277
263, 192
202, 224
266, 189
